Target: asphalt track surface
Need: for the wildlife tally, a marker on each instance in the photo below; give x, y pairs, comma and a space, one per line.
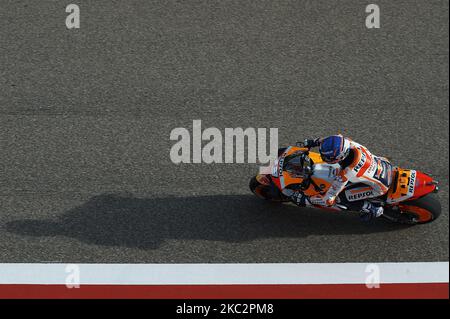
85, 118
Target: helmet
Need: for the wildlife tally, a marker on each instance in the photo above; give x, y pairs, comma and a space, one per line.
334, 148
298, 164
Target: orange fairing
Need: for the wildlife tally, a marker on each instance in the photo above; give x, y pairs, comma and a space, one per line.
316, 158
263, 179
410, 184
323, 184
286, 180
399, 189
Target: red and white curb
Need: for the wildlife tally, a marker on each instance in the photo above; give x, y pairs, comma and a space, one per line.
239, 281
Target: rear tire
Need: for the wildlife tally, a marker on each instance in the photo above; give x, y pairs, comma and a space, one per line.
422, 210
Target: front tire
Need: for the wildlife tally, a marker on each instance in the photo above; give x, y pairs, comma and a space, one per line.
267, 192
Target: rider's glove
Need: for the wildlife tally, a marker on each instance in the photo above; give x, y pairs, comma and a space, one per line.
311, 143
299, 199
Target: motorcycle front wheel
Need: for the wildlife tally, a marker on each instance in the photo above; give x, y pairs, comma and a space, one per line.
268, 192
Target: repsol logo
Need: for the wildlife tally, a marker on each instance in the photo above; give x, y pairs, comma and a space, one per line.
412, 182
361, 162
359, 196
374, 165
280, 165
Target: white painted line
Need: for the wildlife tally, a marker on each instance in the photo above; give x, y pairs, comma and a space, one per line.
204, 274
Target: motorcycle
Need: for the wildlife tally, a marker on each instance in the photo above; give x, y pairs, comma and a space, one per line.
410, 199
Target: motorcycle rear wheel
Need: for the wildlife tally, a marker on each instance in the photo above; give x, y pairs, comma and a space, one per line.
421, 211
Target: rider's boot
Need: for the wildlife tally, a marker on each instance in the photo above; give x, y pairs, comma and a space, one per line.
370, 210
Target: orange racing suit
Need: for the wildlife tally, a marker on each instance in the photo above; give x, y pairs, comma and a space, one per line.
360, 166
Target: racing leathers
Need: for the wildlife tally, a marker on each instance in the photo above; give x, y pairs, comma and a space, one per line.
362, 173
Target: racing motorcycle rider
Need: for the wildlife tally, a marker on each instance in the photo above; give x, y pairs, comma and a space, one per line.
358, 167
